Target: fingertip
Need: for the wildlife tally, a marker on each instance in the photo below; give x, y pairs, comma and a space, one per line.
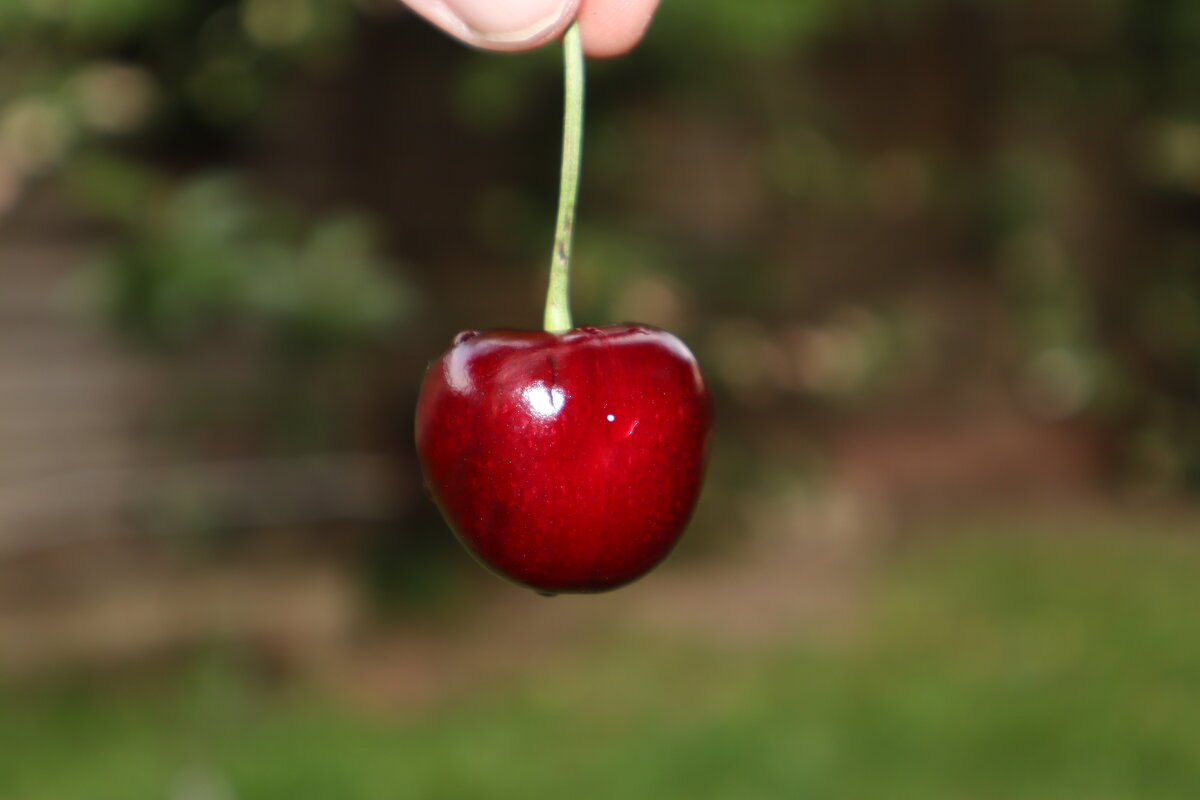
514, 25
614, 27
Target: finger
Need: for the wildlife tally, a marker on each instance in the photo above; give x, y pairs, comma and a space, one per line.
499, 24
613, 27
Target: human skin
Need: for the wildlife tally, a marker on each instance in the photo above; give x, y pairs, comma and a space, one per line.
608, 27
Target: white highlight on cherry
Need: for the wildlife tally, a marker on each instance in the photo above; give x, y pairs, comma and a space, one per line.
544, 402
456, 372
611, 418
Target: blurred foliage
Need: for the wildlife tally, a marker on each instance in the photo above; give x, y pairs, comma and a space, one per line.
996, 659
841, 205
92, 81
135, 110
208, 253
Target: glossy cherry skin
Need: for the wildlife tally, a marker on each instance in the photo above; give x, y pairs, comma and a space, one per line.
566, 462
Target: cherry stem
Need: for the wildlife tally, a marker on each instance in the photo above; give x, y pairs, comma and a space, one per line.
558, 295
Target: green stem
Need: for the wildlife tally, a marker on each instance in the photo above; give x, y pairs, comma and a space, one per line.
558, 299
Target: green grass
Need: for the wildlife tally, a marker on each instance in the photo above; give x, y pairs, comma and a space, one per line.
987, 665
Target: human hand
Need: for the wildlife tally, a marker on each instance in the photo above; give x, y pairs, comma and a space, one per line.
608, 27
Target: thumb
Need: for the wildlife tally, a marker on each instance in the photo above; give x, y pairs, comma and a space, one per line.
506, 25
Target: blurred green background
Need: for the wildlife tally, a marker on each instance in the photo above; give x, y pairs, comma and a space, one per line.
940, 261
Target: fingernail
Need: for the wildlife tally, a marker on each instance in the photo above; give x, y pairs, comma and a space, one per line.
511, 21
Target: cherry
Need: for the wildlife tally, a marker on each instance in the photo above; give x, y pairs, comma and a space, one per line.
566, 462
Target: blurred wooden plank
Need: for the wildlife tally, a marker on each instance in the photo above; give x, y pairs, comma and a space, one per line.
298, 611
95, 452
54, 509
57, 342
79, 462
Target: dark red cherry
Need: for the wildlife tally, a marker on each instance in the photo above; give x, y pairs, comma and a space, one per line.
566, 462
